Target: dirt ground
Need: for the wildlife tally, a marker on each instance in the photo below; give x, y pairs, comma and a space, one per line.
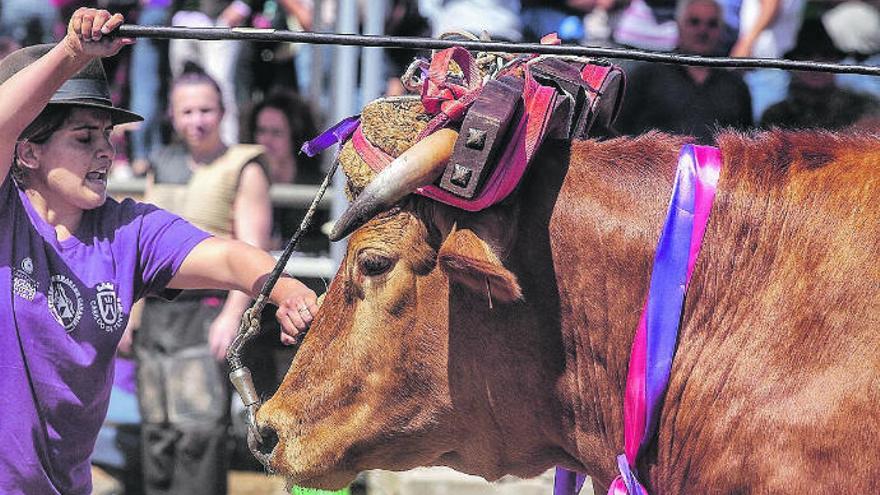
421, 481
250, 483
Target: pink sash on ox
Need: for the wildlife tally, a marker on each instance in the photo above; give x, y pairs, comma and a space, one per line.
656, 337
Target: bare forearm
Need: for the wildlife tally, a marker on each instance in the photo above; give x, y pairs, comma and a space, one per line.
250, 270
255, 275
224, 264
234, 265
769, 9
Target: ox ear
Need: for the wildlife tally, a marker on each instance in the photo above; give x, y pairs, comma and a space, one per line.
468, 260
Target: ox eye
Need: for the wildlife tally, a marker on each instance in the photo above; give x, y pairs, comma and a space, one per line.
372, 264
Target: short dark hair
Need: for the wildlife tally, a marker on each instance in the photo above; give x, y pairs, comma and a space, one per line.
52, 118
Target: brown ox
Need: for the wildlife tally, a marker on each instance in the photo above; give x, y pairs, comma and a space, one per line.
498, 342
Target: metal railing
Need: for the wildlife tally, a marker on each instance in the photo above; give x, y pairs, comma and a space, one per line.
282, 195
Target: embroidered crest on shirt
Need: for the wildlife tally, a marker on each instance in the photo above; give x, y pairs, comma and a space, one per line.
65, 302
23, 284
106, 307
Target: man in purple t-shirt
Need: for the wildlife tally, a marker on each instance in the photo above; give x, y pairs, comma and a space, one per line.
72, 262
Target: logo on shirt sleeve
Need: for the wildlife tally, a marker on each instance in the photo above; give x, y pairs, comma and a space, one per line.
23, 283
106, 307
65, 302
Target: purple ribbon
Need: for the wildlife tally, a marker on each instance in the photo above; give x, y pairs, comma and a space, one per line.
567, 481
667, 289
677, 250
337, 134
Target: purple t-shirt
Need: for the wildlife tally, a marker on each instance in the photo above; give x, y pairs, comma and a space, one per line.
63, 308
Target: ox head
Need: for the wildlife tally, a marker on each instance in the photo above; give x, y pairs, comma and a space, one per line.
414, 358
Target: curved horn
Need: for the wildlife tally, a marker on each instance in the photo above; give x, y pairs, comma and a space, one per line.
418, 166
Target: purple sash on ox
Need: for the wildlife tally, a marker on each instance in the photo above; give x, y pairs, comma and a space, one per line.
657, 334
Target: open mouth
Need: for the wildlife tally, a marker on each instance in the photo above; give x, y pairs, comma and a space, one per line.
97, 176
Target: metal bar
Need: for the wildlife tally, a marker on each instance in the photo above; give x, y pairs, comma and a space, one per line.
345, 102
134, 31
282, 195
316, 81
373, 59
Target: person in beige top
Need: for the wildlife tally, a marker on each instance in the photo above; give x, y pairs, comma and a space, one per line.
180, 346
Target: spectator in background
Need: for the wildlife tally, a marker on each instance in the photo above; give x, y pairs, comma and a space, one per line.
814, 100
217, 58
313, 63
404, 19
499, 18
117, 450
767, 29
684, 99
854, 27
149, 59
264, 65
29, 22
281, 123
575, 21
730, 32
180, 346
648, 25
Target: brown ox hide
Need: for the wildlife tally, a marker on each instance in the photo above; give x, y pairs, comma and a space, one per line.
498, 342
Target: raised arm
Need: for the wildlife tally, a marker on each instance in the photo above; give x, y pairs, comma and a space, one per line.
24, 95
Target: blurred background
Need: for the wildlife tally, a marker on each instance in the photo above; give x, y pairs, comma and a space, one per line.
279, 95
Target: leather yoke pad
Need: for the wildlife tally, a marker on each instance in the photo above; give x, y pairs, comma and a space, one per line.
482, 135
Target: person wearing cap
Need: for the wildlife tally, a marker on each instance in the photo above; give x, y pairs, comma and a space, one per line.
72, 261
814, 99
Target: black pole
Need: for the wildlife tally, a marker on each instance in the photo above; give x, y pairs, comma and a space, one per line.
253, 34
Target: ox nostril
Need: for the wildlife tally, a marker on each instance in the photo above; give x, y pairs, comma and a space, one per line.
268, 440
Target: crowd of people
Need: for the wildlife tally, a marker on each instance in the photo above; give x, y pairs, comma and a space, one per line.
222, 121
837, 30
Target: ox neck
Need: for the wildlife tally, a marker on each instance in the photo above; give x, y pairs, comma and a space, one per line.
604, 226
654, 342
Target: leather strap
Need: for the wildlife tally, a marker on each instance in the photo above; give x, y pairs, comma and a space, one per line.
483, 133
590, 93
